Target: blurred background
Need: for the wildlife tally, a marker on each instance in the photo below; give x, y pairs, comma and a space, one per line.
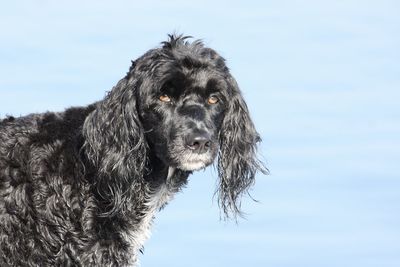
321, 78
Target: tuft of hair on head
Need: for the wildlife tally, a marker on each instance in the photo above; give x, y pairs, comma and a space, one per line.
175, 40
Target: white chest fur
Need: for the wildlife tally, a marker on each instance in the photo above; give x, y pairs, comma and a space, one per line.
155, 199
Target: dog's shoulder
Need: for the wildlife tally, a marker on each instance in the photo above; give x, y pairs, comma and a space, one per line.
62, 126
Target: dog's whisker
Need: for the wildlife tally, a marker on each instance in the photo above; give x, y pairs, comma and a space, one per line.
149, 131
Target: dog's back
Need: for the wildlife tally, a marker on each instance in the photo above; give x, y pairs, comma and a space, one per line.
40, 207
15, 188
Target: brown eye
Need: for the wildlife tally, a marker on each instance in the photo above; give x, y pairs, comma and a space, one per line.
212, 100
165, 98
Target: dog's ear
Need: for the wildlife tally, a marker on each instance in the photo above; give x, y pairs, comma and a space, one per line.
237, 161
115, 143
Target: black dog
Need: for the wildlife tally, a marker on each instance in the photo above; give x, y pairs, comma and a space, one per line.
81, 187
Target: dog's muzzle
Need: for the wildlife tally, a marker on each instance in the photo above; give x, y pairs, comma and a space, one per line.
200, 151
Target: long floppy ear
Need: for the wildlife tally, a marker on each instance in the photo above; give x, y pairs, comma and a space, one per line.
115, 143
237, 161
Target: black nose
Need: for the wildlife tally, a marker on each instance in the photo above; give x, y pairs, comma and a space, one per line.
198, 142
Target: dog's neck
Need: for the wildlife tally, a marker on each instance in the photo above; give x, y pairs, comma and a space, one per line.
170, 176
163, 173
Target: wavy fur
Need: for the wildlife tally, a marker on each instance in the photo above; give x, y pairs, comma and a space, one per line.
237, 162
81, 187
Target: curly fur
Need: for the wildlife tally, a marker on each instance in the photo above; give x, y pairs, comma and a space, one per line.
81, 187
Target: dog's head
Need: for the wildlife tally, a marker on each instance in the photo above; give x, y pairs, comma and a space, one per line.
183, 103
180, 102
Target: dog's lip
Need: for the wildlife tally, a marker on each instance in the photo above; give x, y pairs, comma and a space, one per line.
189, 160
199, 156
197, 161
193, 165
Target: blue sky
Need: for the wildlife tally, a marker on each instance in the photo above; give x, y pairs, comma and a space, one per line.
322, 80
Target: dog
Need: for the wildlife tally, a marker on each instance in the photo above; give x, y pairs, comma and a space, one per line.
81, 187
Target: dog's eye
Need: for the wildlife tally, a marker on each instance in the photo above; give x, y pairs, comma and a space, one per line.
165, 98
212, 100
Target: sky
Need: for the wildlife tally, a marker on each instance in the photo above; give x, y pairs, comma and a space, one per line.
321, 79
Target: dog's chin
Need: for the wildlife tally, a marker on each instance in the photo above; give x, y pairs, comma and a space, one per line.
192, 165
194, 161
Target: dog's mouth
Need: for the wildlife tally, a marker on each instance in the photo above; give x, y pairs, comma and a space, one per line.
190, 157
195, 162
192, 161
193, 165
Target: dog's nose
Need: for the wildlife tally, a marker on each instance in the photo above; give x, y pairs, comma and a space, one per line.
198, 142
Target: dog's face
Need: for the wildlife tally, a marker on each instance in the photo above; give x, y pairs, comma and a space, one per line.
182, 115
180, 104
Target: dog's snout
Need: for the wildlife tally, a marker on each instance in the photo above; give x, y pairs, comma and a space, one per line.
195, 112
198, 142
